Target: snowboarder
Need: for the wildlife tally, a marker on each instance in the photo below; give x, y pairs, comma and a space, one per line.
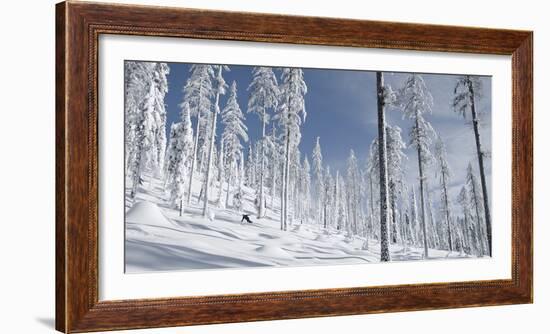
247, 218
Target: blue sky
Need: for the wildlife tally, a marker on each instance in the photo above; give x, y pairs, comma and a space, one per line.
341, 110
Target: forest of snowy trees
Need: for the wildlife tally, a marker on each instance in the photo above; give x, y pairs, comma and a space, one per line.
209, 162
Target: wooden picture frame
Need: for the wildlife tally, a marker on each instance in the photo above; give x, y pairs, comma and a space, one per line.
78, 26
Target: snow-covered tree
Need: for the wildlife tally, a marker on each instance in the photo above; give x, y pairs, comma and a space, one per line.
221, 174
169, 162
372, 178
353, 179
465, 202
395, 162
220, 88
305, 180
198, 93
337, 201
234, 131
342, 219
178, 159
291, 112
413, 227
238, 197
147, 120
327, 197
467, 90
396, 157
317, 158
249, 166
137, 77
296, 186
264, 96
404, 218
444, 172
273, 152
431, 222
294, 175
416, 101
160, 73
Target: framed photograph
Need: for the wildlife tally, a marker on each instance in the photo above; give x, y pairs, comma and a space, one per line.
223, 167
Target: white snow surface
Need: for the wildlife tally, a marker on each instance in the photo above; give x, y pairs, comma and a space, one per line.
158, 239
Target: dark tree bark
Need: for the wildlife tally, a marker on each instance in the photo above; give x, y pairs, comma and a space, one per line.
475, 123
393, 212
382, 156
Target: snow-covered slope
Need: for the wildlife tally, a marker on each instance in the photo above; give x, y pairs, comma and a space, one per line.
158, 239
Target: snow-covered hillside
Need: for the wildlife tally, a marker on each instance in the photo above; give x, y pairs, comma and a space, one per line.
189, 188
158, 239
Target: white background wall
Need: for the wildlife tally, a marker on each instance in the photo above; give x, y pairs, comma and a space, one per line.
27, 165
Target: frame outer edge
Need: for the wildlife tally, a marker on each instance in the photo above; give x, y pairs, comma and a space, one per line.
525, 163
522, 168
61, 316
77, 310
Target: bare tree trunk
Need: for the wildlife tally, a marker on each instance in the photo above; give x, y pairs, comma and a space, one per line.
382, 156
475, 123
